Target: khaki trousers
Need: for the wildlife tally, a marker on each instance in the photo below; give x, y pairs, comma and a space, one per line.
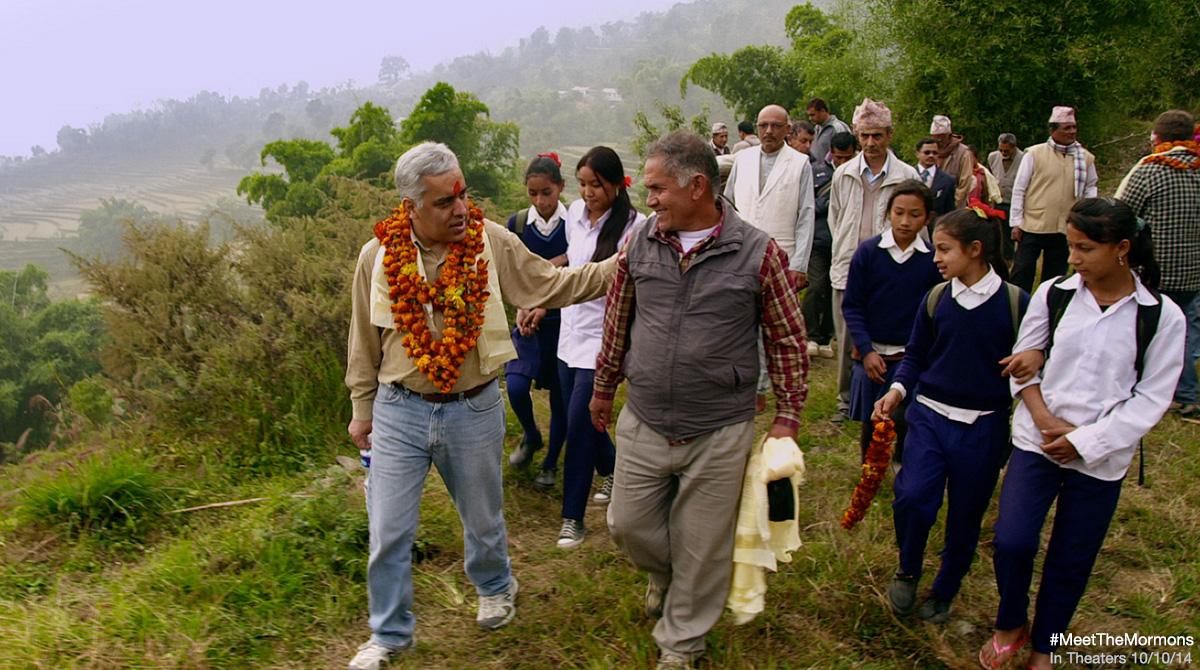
673, 512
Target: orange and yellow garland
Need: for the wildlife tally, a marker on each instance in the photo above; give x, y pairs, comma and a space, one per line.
879, 454
460, 293
1161, 156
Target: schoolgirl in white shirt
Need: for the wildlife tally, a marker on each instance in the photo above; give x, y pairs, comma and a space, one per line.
1079, 420
597, 226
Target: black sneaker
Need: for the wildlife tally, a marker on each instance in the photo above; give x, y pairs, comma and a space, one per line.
521, 457
605, 493
545, 479
903, 593
572, 534
934, 610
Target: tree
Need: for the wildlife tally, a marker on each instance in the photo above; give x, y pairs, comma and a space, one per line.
72, 139
485, 149
823, 59
100, 230
393, 69
1108, 59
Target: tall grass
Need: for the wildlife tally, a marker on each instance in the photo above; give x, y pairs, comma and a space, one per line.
114, 493
279, 583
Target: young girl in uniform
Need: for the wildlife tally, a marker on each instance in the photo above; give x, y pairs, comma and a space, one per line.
542, 228
1111, 364
597, 226
889, 275
958, 424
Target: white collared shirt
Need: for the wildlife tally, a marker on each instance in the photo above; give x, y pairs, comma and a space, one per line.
888, 241
932, 173
871, 176
546, 228
1089, 379
968, 297
583, 325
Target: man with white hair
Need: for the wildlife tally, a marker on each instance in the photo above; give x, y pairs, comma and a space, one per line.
1052, 176
861, 188
953, 157
771, 185
422, 361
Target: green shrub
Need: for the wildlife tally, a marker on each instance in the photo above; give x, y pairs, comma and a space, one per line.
117, 494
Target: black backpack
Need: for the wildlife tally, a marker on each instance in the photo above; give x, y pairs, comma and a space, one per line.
522, 218
1057, 300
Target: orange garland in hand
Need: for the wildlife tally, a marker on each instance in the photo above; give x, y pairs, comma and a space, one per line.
460, 293
1160, 156
879, 453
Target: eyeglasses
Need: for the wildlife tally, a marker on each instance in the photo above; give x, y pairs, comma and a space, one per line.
765, 125
929, 153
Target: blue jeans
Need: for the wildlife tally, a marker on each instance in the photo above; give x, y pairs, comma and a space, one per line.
465, 440
1188, 390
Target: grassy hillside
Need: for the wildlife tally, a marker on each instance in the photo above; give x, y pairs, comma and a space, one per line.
132, 581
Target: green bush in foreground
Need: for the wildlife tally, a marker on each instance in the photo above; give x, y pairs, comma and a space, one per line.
104, 493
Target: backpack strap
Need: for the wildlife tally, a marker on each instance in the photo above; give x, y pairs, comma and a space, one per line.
521, 220
1057, 300
1147, 326
932, 300
1013, 293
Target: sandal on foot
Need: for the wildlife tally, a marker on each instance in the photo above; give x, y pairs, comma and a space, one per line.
1001, 655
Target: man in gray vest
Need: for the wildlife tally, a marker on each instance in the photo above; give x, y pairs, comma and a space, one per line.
694, 286
1004, 163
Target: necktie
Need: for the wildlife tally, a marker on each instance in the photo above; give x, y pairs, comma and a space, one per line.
925, 175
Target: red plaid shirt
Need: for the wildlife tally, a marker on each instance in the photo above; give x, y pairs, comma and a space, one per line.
781, 320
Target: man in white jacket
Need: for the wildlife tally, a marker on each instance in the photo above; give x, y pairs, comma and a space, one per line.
861, 188
771, 185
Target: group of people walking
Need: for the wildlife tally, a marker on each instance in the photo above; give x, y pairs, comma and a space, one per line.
705, 313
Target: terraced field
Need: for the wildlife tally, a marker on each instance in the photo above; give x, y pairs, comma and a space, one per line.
40, 205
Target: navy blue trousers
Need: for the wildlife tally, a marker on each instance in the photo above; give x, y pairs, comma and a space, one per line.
958, 459
588, 450
1085, 509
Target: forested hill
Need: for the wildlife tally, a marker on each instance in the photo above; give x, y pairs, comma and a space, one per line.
187, 156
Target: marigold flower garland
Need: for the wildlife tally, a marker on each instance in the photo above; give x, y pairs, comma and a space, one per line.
879, 453
1161, 156
460, 293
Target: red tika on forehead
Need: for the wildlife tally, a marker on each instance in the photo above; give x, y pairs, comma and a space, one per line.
458, 188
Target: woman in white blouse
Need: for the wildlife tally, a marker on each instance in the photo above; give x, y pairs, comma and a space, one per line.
1103, 387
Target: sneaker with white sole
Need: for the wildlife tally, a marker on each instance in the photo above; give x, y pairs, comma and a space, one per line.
545, 479
572, 534
497, 610
372, 655
605, 492
669, 661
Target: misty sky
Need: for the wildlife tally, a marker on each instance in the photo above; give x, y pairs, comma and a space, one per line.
71, 62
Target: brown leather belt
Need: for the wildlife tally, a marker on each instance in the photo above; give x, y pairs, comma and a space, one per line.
447, 397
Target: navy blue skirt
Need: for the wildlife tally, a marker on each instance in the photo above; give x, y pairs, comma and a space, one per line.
537, 355
864, 392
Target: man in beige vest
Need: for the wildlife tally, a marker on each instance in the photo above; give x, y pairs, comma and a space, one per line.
857, 200
415, 405
1052, 176
771, 185
953, 157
